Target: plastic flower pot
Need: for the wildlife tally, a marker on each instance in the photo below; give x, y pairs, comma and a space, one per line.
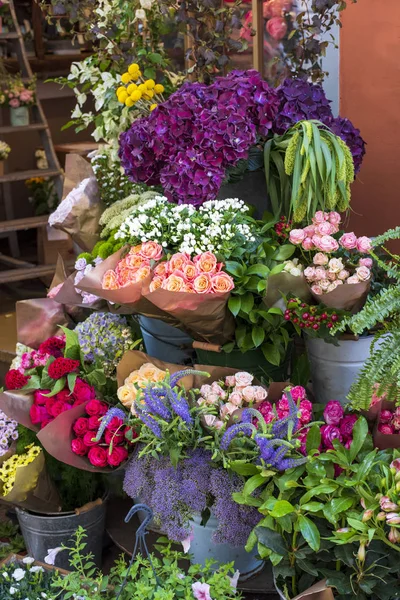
19, 116
202, 547
252, 361
335, 368
43, 532
165, 342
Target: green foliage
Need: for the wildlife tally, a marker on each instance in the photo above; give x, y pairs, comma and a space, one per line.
86, 255
12, 540
105, 250
307, 169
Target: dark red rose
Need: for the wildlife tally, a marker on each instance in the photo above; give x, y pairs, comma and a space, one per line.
38, 414
58, 408
53, 346
62, 366
89, 439
80, 426
15, 380
78, 447
39, 398
95, 408
98, 456
83, 391
93, 423
65, 396
117, 456
114, 437
115, 424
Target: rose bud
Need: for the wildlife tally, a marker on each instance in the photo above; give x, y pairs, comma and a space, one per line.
394, 535
381, 516
361, 552
385, 416
393, 518
387, 505
343, 530
395, 465
367, 515
362, 502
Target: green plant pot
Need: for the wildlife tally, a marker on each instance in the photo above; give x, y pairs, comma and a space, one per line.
19, 116
253, 361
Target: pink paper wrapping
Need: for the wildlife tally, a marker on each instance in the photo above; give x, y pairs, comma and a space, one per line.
17, 404
39, 319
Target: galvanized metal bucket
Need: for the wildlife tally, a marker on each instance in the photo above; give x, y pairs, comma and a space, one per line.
43, 532
165, 342
335, 368
19, 116
203, 547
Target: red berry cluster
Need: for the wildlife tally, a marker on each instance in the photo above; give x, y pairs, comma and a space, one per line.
62, 366
283, 227
310, 317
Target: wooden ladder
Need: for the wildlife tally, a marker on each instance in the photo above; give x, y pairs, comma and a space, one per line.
9, 228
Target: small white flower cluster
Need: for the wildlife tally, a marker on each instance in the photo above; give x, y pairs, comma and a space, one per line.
216, 226
8, 432
293, 267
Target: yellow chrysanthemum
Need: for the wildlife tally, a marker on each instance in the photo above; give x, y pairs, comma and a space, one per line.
137, 94
150, 84
159, 88
153, 106
126, 77
131, 88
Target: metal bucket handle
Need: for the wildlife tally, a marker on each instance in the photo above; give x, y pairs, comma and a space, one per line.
140, 541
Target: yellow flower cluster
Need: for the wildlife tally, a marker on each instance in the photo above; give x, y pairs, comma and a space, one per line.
8, 469
138, 90
137, 381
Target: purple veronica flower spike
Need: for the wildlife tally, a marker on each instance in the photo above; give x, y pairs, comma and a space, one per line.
149, 421
280, 429
180, 406
110, 414
246, 428
155, 404
176, 377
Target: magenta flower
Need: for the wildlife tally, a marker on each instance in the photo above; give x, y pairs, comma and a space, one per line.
330, 433
385, 416
333, 412
347, 425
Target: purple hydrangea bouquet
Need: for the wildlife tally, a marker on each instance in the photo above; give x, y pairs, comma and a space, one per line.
188, 143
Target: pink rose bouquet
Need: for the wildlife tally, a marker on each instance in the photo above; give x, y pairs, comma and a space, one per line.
134, 267
201, 274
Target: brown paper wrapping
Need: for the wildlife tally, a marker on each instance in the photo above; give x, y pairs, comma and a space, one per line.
39, 319
33, 489
17, 404
134, 359
82, 223
381, 440
318, 591
130, 297
56, 439
205, 317
350, 297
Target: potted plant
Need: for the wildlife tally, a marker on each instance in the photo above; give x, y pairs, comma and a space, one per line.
23, 578
4, 152
19, 97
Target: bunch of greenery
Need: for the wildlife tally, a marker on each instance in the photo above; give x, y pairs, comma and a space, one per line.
112, 182
307, 169
314, 523
12, 540
381, 311
42, 195
160, 578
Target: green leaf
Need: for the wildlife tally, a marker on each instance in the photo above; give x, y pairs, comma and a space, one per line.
357, 525
319, 489
340, 505
272, 540
234, 268
360, 432
58, 387
313, 507
150, 73
313, 441
277, 269
247, 302
284, 252
234, 305
271, 354
258, 335
34, 383
243, 467
71, 379
309, 532
252, 484
258, 269
155, 58
282, 508
275, 311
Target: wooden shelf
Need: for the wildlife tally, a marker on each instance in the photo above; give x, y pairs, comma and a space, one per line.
21, 224
32, 127
10, 35
22, 175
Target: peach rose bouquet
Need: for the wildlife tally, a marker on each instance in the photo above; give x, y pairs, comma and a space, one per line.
132, 268
137, 380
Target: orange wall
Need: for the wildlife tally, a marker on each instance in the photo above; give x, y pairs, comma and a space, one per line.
370, 97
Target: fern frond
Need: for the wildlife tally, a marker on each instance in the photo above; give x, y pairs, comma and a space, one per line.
390, 234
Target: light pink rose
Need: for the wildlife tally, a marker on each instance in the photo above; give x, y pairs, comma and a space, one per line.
353, 279
366, 262
212, 399
205, 390
217, 389
178, 261
324, 284
319, 217
364, 244
202, 284
320, 259
230, 380
210, 420
227, 409
325, 228
309, 273
26, 96
334, 218
260, 393
316, 290
277, 28
363, 273
332, 286
320, 273
348, 241
248, 393
309, 230
151, 251
335, 265
243, 379
328, 244
316, 239
343, 274
331, 276
236, 398
14, 103
296, 236
308, 244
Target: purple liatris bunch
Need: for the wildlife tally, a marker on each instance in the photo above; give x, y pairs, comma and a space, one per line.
187, 143
178, 494
8, 433
105, 337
